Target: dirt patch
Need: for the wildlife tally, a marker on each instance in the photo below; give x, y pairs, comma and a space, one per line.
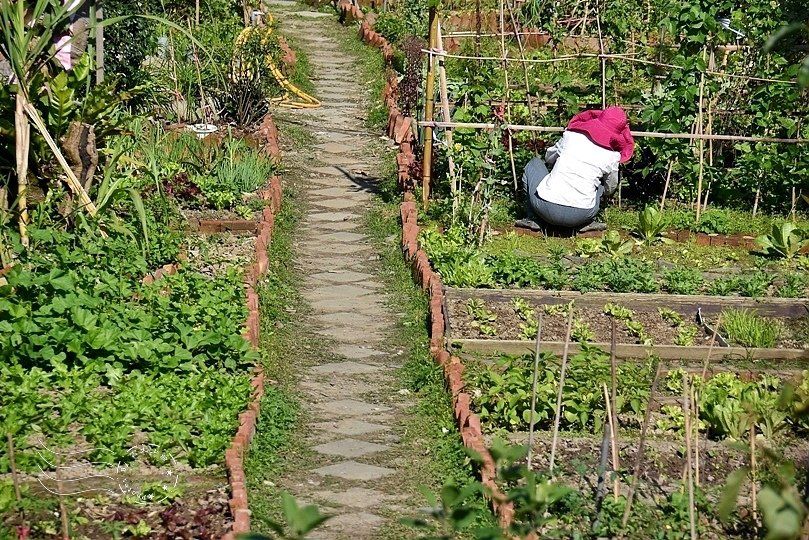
507, 325
216, 253
200, 512
664, 461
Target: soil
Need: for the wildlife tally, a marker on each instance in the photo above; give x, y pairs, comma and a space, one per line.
201, 512
216, 253
578, 460
507, 325
197, 214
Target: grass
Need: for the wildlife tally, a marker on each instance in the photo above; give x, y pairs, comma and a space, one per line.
749, 329
302, 71
274, 442
430, 426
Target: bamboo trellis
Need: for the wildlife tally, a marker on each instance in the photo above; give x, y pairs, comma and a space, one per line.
699, 132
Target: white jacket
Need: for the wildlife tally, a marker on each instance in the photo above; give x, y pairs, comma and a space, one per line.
579, 167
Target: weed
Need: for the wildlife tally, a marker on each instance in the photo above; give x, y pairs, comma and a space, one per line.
670, 316
755, 284
683, 280
749, 329
482, 318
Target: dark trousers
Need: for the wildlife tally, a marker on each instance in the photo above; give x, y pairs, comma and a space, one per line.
552, 213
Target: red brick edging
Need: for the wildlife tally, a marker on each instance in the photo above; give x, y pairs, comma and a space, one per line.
234, 455
468, 422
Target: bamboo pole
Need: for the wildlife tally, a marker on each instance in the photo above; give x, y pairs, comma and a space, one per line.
603, 58
690, 478
558, 416
13, 464
617, 56
99, 44
62, 506
22, 130
534, 392
444, 95
637, 134
614, 404
507, 93
753, 465
636, 469
427, 154
613, 442
534, 112
701, 142
666, 185
72, 181
695, 433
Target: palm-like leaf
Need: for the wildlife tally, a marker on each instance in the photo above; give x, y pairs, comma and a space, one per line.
785, 241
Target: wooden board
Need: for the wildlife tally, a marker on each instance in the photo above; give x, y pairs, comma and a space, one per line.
687, 305
625, 351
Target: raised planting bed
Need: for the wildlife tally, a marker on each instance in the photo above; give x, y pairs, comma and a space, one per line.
669, 326
726, 405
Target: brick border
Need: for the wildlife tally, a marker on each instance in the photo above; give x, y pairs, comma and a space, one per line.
234, 455
467, 421
400, 129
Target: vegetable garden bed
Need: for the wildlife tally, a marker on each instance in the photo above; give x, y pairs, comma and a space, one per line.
504, 321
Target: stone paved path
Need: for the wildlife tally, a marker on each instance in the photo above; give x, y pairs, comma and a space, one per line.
350, 405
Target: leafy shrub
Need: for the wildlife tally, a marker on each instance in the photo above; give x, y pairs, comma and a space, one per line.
714, 221
754, 284
391, 26
502, 394
785, 241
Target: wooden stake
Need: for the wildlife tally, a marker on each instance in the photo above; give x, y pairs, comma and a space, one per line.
427, 154
534, 392
613, 443
62, 505
690, 478
636, 469
442, 90
13, 463
560, 391
701, 142
666, 185
22, 130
